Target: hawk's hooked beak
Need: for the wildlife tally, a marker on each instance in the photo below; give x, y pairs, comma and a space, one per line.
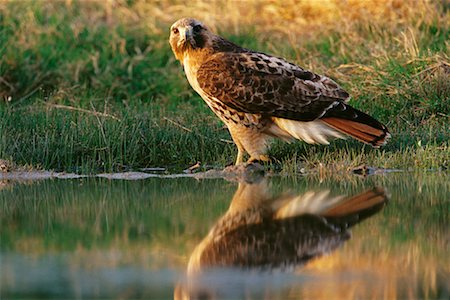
185, 35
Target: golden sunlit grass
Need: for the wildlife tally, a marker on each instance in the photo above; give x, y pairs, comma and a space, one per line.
100, 88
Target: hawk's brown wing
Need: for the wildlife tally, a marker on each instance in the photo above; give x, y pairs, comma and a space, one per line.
261, 84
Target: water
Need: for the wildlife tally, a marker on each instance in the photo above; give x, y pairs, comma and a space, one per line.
386, 236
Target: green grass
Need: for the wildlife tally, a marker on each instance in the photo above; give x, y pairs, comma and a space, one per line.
86, 89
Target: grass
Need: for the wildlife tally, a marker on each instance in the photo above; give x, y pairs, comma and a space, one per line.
91, 86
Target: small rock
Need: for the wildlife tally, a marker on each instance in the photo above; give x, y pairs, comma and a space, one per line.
193, 168
5, 166
364, 170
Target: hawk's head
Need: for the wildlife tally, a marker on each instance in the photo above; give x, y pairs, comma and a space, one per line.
187, 35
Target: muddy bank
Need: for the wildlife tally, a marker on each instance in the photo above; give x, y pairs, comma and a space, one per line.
244, 172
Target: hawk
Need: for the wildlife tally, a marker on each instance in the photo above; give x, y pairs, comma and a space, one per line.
259, 96
270, 231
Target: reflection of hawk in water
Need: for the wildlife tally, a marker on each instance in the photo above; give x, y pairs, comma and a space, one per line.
259, 96
265, 231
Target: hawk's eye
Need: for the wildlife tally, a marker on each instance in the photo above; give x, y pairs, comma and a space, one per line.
175, 30
197, 28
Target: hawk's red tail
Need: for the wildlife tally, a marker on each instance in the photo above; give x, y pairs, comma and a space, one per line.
359, 126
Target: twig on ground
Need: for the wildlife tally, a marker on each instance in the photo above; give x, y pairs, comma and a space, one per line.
191, 131
94, 113
177, 124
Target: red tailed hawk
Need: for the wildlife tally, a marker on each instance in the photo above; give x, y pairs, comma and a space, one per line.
259, 96
263, 229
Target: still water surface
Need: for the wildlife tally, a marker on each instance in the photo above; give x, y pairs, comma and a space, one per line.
386, 236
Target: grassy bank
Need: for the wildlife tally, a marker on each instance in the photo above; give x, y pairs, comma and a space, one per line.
93, 86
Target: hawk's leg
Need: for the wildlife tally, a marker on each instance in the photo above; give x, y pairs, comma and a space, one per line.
240, 156
241, 150
249, 140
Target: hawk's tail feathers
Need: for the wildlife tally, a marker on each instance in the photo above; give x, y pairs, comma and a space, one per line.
364, 128
358, 203
312, 132
338, 122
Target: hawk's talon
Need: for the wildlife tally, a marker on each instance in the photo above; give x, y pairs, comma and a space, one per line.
261, 159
